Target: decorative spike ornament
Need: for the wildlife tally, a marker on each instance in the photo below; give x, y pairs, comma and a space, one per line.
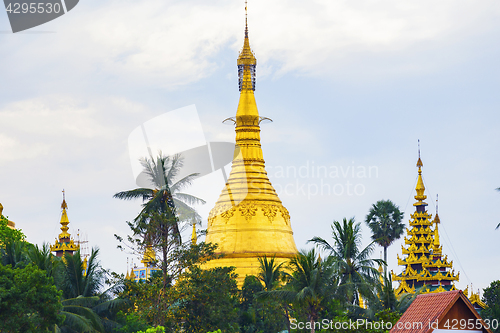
249, 220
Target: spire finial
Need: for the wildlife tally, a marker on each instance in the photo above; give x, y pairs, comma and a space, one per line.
437, 203
64, 205
246, 62
436, 219
420, 183
419, 162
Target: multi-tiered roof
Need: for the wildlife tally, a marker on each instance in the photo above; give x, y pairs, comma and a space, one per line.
424, 263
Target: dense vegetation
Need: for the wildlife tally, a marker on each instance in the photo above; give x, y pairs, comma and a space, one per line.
40, 292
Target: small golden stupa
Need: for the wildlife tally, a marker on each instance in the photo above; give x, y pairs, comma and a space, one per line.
248, 220
65, 243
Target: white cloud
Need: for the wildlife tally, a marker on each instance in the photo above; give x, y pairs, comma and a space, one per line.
12, 149
172, 43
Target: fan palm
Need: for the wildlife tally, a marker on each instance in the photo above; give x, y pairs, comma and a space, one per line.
385, 222
167, 195
353, 266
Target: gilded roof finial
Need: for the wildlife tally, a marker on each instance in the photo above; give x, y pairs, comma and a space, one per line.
436, 219
420, 183
64, 205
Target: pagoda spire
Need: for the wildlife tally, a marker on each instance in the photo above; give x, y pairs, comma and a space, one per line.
420, 188
65, 243
437, 248
249, 220
423, 264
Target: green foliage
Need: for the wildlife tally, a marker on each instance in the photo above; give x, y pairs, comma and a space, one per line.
310, 287
385, 319
131, 322
207, 300
157, 329
29, 301
43, 258
72, 278
259, 316
12, 245
7, 234
352, 265
491, 297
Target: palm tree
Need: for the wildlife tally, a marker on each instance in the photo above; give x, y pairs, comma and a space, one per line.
353, 266
75, 280
166, 196
86, 307
385, 222
270, 273
43, 258
309, 286
384, 298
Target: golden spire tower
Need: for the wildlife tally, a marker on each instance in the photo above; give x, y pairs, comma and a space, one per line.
248, 219
65, 242
424, 265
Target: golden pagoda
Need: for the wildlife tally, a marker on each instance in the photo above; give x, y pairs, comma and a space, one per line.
10, 224
248, 220
424, 263
65, 243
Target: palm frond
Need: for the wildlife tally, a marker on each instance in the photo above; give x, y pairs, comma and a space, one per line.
110, 305
176, 163
183, 182
188, 199
81, 301
85, 312
144, 193
77, 322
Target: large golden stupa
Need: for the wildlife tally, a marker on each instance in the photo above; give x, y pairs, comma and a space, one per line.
249, 220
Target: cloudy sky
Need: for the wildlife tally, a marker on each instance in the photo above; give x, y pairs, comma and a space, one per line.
350, 85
